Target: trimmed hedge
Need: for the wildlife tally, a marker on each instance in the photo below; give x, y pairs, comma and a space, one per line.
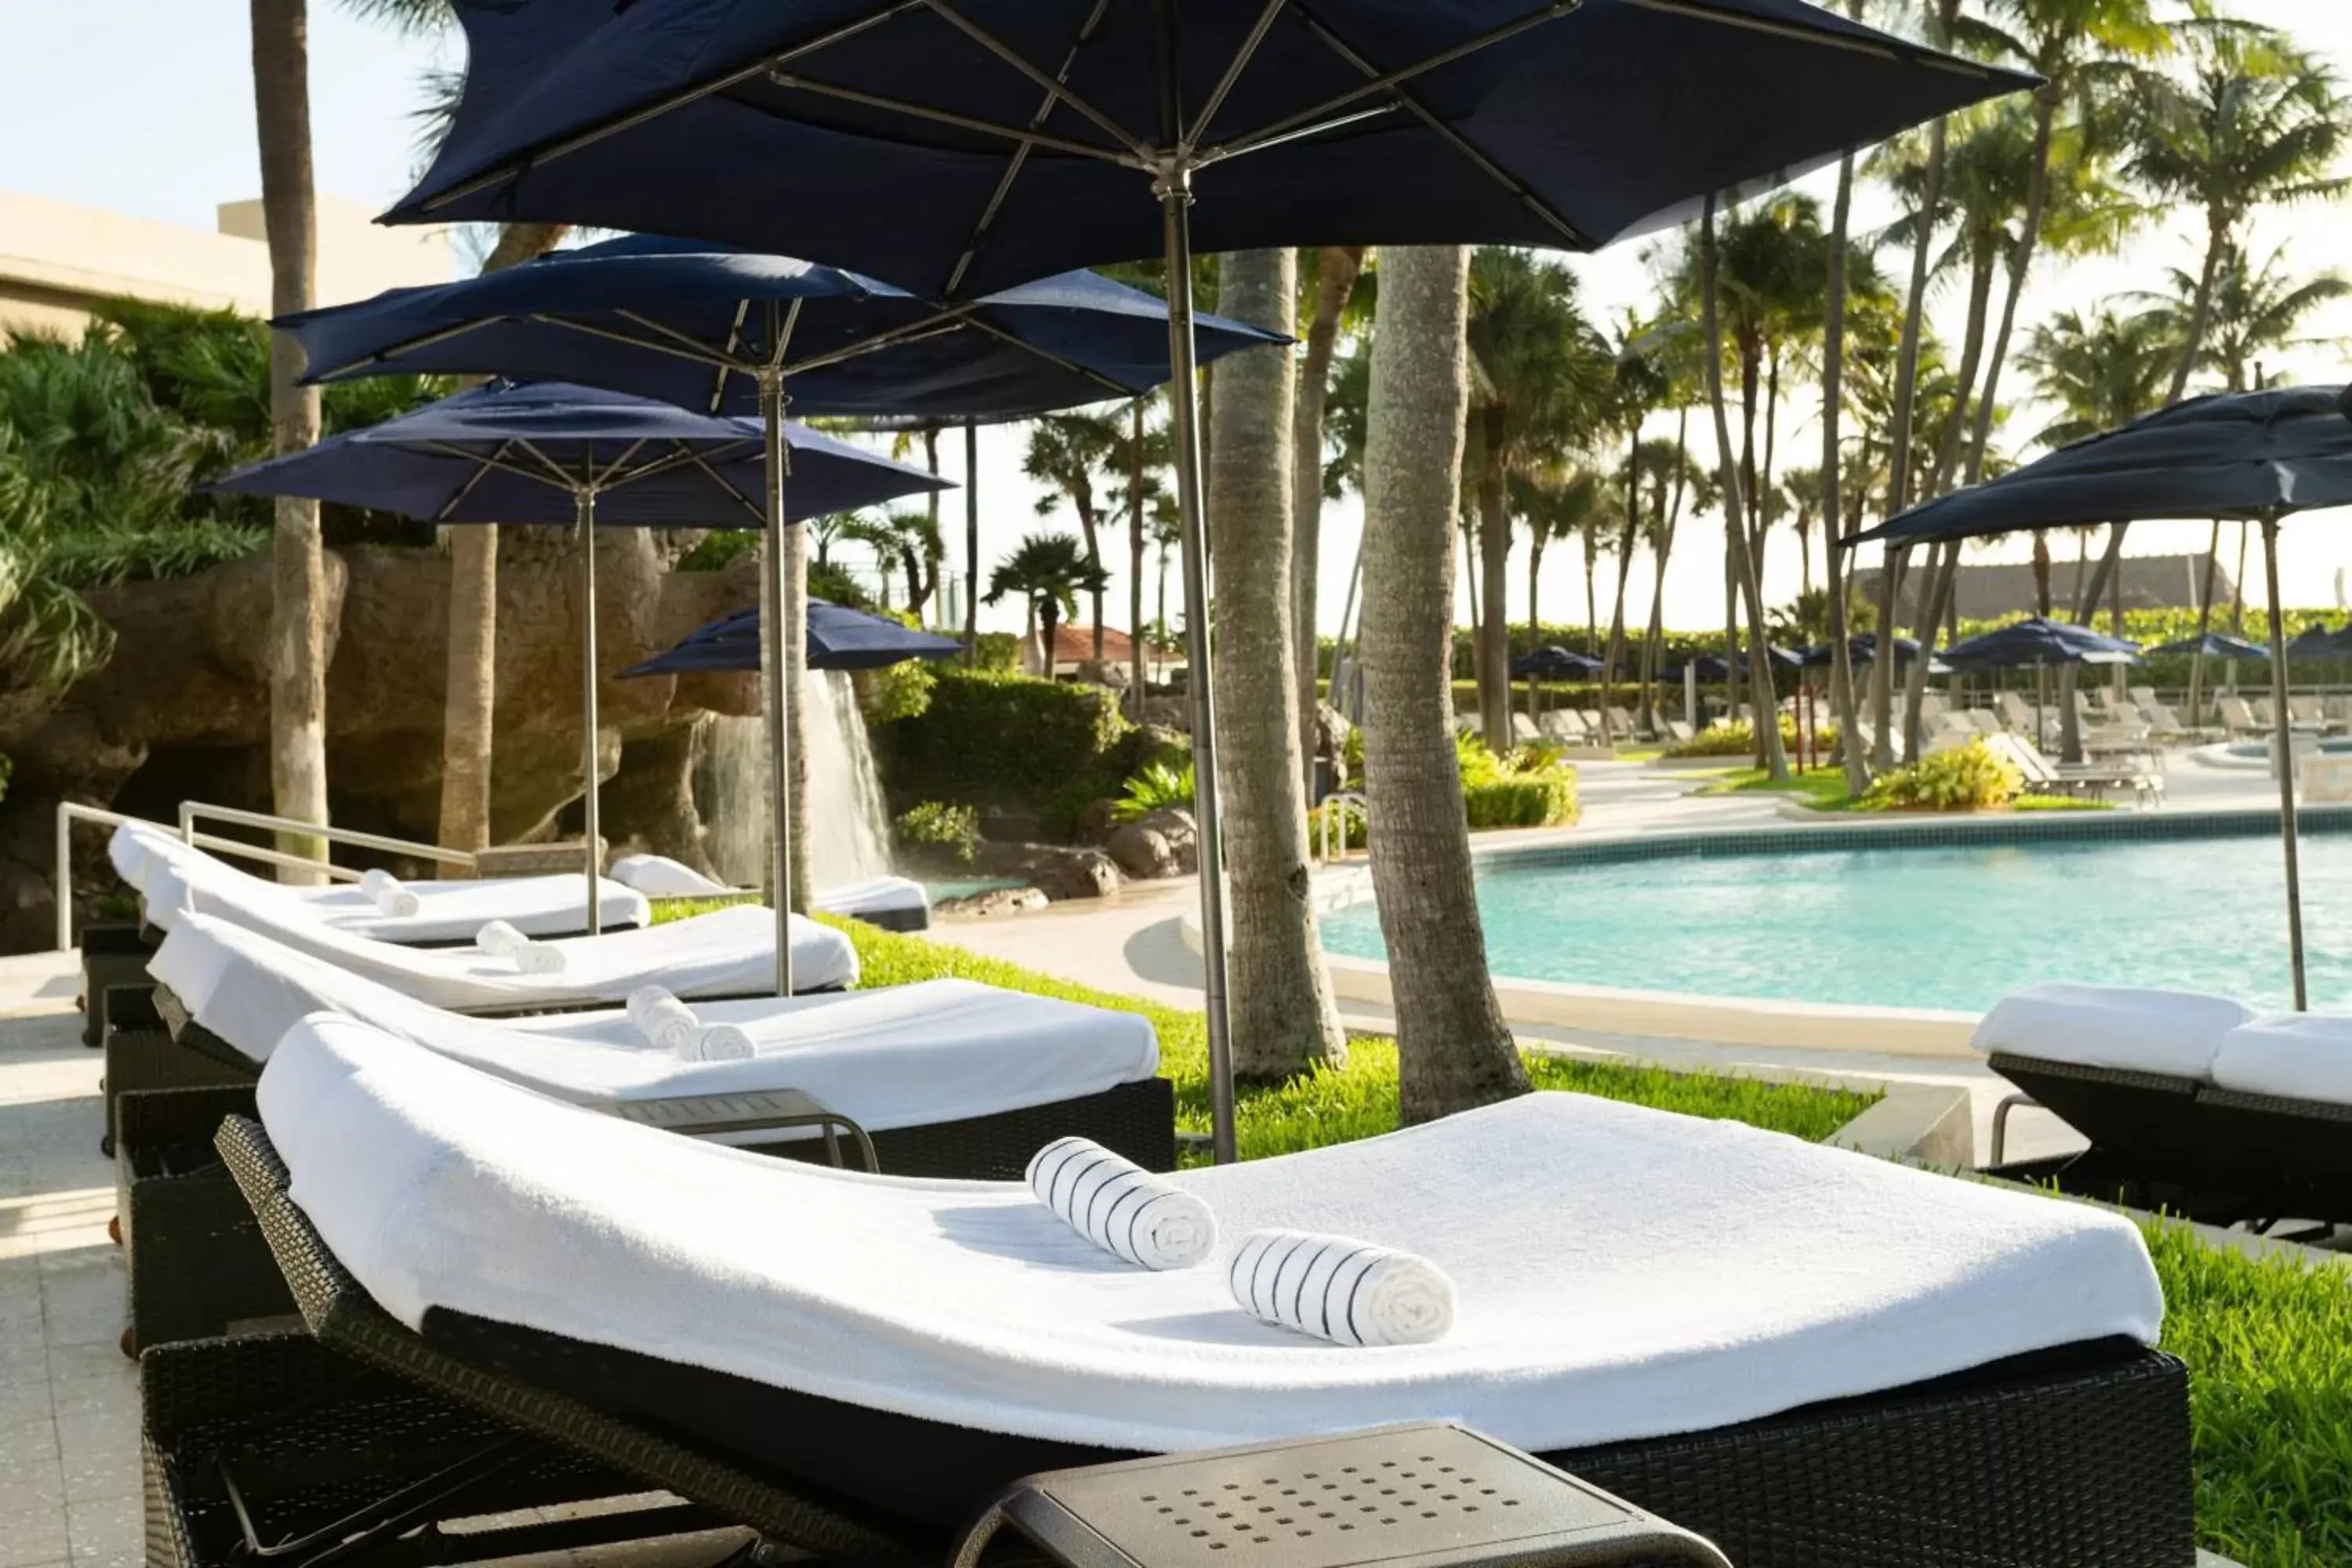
1545, 800
1012, 742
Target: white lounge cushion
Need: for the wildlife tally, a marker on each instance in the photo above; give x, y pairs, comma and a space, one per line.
906, 1055
448, 911
2121, 1027
873, 895
1621, 1272
728, 953
659, 877
2300, 1055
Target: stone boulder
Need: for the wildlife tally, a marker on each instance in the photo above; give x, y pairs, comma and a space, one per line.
1175, 825
993, 903
1063, 874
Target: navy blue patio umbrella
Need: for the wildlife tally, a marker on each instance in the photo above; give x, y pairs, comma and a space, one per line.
1861, 649
2212, 644
723, 331
960, 148
2314, 642
546, 452
2252, 457
2035, 641
838, 638
1554, 662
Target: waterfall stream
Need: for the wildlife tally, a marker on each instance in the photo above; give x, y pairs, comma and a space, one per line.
851, 825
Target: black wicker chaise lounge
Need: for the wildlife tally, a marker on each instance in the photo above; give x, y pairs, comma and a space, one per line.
2074, 1451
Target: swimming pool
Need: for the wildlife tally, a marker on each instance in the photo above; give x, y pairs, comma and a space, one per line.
1941, 926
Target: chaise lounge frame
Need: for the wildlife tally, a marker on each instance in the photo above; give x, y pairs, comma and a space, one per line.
2078, 1456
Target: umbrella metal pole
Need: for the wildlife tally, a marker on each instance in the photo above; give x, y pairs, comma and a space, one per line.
971, 544
1175, 196
2284, 754
585, 508
773, 656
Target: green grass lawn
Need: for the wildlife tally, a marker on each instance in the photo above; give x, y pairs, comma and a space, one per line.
2268, 1342
1823, 789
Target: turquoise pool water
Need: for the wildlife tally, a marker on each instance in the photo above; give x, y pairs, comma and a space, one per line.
965, 886
1943, 927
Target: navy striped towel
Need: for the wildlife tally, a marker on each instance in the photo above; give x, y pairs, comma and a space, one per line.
1120, 1207
1335, 1288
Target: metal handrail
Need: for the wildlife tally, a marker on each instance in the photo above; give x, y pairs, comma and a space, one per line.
191, 810
68, 812
1335, 809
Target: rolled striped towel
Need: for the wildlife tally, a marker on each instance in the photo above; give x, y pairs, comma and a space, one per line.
1120, 1207
666, 1022
500, 939
386, 892
1335, 1288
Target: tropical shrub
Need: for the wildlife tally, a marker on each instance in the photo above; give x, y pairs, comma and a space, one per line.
717, 548
1348, 832
1967, 778
1734, 740
1528, 787
1000, 651
1159, 788
991, 739
933, 825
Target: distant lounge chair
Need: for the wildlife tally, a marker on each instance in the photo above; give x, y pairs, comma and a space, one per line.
832, 1445
2145, 696
1678, 731
2238, 718
2306, 713
2043, 777
2165, 721
1564, 725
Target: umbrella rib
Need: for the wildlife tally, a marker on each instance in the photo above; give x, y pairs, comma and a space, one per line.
1307, 120
683, 342
1576, 237
514, 168
734, 336
481, 471
1054, 87
944, 320
407, 345
948, 116
563, 478
759, 518
1699, 12
599, 480
497, 460
685, 348
1020, 159
1118, 387
1242, 57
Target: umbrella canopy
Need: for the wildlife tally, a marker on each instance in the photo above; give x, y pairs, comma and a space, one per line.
522, 452
1861, 649
838, 638
960, 149
2212, 644
959, 152
547, 452
1554, 663
2315, 642
686, 321
2035, 641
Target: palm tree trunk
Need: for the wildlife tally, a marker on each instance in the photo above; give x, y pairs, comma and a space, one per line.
1535, 620
1857, 776
1477, 618
1771, 461
1654, 644
1135, 562
1284, 1018
1759, 674
1453, 1049
469, 701
1336, 267
2204, 625
1495, 628
299, 609
1094, 558
1907, 402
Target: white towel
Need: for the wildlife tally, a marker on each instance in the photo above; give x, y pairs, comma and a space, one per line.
669, 1024
1335, 1288
1120, 1207
386, 892
718, 1043
666, 1022
500, 939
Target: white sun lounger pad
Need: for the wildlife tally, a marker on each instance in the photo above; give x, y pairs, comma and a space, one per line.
1622, 1272
903, 1057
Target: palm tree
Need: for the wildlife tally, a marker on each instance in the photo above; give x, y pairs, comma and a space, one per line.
1453, 1049
1049, 570
1166, 525
298, 606
1336, 270
1828, 478
1735, 512
1537, 368
910, 540
1066, 454
1141, 454
2258, 123
1284, 1020
1559, 504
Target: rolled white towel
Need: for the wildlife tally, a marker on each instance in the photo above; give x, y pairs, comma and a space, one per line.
1335, 1288
718, 1043
386, 892
1120, 1207
666, 1022
500, 939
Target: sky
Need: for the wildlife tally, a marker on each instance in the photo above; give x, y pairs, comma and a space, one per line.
164, 130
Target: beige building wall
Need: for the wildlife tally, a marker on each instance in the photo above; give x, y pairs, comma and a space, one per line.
58, 261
